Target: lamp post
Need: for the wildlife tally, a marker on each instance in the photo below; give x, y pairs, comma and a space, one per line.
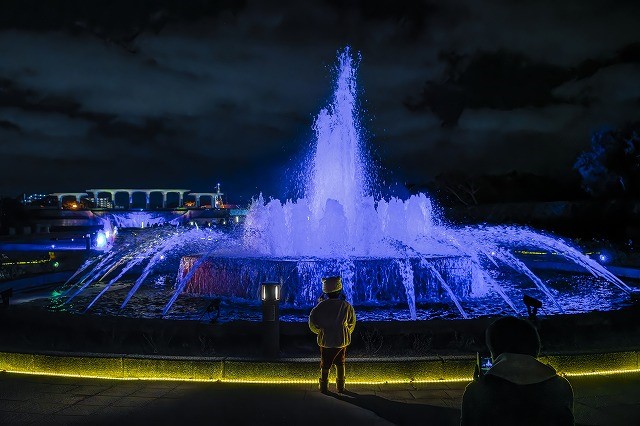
270, 295
533, 305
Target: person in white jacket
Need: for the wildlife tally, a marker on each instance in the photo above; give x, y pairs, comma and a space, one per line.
333, 320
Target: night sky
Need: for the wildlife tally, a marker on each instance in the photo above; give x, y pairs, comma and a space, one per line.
186, 94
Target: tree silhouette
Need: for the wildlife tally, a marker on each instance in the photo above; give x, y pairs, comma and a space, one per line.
612, 166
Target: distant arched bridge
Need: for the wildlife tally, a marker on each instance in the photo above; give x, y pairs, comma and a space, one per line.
216, 197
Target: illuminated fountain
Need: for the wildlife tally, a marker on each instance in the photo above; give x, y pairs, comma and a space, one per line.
385, 250
389, 252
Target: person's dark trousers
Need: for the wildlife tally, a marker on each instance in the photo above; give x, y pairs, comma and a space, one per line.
328, 357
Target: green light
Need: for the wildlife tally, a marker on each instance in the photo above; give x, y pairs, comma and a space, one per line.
56, 264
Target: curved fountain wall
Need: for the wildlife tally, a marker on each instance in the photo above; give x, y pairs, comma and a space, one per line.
365, 279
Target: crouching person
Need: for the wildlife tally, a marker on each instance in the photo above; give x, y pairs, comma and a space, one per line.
517, 389
333, 320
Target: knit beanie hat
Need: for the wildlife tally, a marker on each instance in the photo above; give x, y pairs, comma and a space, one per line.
331, 284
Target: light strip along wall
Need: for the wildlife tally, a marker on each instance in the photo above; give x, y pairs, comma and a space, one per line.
359, 371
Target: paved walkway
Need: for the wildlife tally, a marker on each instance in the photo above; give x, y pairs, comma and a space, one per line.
612, 400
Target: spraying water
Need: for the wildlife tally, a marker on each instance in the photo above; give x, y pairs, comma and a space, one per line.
386, 250
338, 218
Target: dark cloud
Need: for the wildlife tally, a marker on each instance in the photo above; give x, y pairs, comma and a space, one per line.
150, 132
191, 93
9, 125
506, 81
410, 16
109, 17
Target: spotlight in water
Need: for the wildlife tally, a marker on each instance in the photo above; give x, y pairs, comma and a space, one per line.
101, 240
162, 257
603, 258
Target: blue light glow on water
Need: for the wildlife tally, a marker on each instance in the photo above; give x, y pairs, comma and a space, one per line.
392, 253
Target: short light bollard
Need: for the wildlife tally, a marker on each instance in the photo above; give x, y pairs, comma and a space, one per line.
270, 295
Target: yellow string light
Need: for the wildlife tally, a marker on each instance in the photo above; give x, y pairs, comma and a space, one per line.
256, 372
603, 372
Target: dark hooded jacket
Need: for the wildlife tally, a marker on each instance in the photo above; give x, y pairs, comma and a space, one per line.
518, 390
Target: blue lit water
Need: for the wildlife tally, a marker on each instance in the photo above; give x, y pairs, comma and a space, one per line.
399, 259
580, 293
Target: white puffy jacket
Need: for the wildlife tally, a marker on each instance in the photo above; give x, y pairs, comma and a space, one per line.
333, 320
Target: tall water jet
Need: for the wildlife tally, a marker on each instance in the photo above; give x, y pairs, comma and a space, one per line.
338, 168
338, 216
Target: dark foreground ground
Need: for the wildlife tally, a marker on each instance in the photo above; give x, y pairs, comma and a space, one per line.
599, 400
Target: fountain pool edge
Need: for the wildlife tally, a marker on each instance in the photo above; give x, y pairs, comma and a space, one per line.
293, 370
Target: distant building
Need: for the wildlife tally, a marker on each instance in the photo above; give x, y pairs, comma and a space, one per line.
34, 199
103, 203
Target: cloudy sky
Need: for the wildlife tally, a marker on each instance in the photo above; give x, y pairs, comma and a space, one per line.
188, 94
